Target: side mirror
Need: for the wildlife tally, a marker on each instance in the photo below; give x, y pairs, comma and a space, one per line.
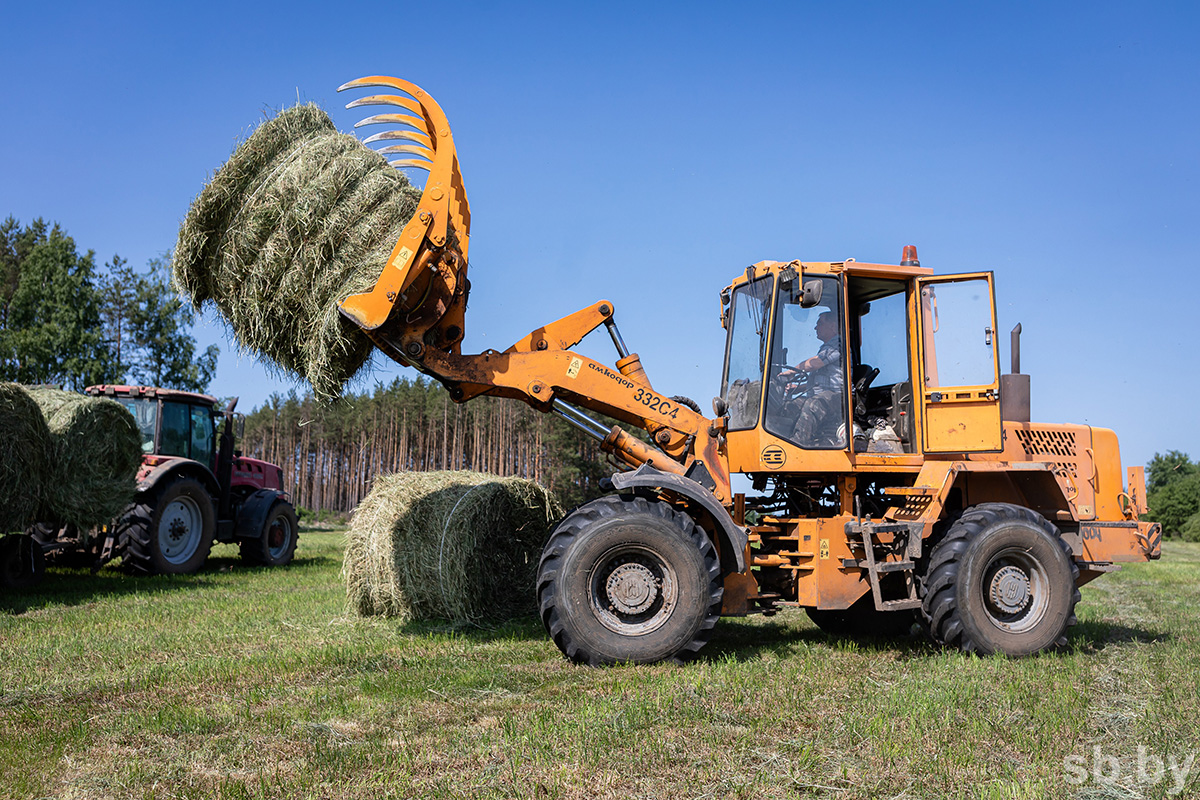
812, 294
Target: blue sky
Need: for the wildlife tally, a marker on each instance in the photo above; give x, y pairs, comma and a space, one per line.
646, 153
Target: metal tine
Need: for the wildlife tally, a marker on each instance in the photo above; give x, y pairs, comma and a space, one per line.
394, 134
395, 119
410, 136
388, 100
417, 150
409, 162
402, 148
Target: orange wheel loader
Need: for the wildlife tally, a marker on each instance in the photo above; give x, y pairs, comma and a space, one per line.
897, 477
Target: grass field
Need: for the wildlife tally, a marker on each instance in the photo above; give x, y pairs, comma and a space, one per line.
249, 683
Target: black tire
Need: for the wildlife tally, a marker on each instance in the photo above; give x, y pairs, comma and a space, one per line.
169, 531
1002, 580
22, 564
627, 579
863, 621
277, 545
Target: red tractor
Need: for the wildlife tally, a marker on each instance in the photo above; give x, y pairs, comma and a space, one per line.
194, 488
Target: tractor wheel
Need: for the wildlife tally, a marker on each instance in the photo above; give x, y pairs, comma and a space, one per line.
22, 564
168, 531
1002, 580
277, 544
626, 579
863, 620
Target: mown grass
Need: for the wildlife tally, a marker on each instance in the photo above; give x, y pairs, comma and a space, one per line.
258, 683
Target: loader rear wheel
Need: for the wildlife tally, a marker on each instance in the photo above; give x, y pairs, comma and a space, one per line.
863, 620
277, 545
627, 579
1002, 580
169, 531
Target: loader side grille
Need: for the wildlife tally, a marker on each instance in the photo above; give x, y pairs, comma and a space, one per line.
1048, 443
1051, 444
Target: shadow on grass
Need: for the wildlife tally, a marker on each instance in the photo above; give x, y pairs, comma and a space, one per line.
66, 584
235, 563
523, 628
76, 587
748, 642
1096, 635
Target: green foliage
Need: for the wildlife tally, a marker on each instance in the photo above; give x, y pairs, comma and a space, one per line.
164, 353
1167, 467
49, 309
62, 321
1173, 491
1191, 528
1174, 503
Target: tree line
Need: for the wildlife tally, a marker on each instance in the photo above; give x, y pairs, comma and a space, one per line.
65, 321
331, 453
1173, 494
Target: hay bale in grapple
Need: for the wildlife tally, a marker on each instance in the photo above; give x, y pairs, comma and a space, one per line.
24, 457
296, 221
460, 546
96, 450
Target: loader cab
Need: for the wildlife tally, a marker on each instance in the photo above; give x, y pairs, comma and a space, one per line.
828, 385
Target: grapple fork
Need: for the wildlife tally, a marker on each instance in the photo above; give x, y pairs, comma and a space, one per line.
420, 297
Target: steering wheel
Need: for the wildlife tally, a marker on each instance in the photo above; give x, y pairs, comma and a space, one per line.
860, 391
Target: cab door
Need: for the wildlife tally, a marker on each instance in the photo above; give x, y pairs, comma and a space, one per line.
958, 364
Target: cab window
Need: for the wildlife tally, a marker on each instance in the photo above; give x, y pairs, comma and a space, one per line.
145, 413
202, 434
176, 430
745, 354
806, 383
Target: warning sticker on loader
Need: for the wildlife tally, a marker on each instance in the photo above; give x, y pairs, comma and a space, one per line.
824, 549
574, 367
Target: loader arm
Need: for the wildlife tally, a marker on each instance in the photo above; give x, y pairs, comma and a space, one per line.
416, 311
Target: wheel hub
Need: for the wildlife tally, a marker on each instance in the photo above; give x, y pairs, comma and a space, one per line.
1010, 590
631, 588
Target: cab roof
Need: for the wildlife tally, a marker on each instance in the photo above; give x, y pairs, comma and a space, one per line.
121, 390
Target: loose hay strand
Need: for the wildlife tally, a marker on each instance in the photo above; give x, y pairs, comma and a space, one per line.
299, 218
462, 546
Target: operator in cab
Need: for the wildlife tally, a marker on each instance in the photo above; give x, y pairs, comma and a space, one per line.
822, 399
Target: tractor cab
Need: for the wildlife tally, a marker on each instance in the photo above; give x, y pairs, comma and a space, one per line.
172, 423
822, 360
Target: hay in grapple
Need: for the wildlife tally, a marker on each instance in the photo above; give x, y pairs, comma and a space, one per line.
96, 450
461, 546
299, 218
24, 457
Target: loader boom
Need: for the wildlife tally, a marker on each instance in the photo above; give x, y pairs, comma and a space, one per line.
415, 314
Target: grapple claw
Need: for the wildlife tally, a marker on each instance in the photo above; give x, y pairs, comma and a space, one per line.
420, 297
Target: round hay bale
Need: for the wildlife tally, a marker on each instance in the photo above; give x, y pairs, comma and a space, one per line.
96, 450
296, 221
461, 546
24, 458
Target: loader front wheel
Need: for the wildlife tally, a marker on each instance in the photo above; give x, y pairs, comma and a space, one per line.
1002, 580
628, 579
